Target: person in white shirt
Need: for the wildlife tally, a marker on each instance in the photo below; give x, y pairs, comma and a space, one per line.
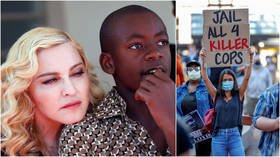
259, 81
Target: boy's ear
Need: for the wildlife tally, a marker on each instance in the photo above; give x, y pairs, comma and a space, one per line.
107, 63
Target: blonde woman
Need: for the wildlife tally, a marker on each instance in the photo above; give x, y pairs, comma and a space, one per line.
46, 82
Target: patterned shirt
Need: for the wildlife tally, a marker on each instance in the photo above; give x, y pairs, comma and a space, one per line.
268, 106
107, 131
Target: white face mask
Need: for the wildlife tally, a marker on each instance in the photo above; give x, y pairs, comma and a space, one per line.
194, 75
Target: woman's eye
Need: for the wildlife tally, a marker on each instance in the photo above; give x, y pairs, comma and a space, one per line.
50, 81
136, 46
163, 42
228, 80
79, 73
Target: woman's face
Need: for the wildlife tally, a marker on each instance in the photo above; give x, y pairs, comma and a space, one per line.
193, 72
227, 77
60, 89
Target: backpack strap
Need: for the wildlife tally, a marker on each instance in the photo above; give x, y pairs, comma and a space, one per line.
215, 114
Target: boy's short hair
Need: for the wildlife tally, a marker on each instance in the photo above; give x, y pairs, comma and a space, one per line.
105, 34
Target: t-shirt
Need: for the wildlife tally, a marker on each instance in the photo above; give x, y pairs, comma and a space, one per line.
228, 114
189, 103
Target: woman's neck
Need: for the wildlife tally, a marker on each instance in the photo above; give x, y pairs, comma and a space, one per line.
48, 133
227, 94
194, 82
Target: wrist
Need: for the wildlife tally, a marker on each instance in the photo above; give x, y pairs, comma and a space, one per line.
203, 66
250, 64
203, 75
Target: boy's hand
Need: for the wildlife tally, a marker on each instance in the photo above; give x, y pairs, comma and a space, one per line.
158, 92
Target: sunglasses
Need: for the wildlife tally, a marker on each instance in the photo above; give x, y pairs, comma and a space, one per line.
193, 68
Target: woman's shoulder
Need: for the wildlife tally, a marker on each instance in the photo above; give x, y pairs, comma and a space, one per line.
202, 87
182, 88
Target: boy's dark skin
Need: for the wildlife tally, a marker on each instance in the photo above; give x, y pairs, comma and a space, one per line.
138, 45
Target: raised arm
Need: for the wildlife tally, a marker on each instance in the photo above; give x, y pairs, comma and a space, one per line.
247, 75
211, 89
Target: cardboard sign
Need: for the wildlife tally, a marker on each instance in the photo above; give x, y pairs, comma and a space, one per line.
196, 123
226, 37
226, 16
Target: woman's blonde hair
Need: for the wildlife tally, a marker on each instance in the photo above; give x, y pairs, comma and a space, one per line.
18, 131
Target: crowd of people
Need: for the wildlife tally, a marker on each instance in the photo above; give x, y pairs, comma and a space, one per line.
231, 89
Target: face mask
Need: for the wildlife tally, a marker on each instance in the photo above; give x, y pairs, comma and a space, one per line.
227, 85
194, 75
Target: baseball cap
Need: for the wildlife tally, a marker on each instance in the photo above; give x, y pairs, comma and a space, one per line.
193, 62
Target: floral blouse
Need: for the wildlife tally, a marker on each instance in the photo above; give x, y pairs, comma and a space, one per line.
107, 131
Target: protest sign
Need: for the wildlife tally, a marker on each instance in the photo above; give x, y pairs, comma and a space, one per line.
196, 123
226, 16
226, 37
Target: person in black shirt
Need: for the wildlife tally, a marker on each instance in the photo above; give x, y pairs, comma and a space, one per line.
226, 137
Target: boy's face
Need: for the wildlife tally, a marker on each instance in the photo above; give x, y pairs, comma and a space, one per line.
140, 45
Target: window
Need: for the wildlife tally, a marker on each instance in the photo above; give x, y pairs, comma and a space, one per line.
17, 18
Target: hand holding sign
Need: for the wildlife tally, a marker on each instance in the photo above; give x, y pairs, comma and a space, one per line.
203, 55
248, 66
251, 53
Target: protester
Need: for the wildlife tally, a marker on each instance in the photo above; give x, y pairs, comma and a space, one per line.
191, 96
271, 67
228, 107
255, 88
266, 118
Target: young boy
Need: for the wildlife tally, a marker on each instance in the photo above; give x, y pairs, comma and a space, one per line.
137, 117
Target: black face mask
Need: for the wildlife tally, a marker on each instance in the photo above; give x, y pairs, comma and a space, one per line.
258, 62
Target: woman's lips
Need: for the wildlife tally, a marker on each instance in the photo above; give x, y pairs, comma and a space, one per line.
71, 105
